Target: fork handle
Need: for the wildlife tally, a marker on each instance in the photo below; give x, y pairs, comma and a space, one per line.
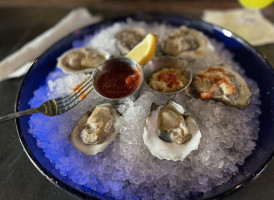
18, 114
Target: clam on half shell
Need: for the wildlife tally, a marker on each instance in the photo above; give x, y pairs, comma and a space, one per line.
81, 60
186, 43
169, 133
95, 130
220, 84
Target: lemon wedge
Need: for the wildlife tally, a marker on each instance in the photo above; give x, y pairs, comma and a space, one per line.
144, 51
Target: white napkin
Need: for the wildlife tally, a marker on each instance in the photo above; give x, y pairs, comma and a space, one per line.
18, 63
258, 31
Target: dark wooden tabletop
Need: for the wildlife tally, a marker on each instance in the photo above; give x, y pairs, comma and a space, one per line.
19, 179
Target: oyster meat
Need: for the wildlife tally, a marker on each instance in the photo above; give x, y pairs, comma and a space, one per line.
186, 43
170, 133
221, 84
85, 59
129, 38
95, 131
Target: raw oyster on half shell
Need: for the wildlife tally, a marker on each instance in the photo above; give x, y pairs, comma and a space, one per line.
96, 130
129, 38
186, 43
221, 84
170, 133
85, 59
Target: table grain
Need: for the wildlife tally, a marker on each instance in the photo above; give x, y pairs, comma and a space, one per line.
19, 179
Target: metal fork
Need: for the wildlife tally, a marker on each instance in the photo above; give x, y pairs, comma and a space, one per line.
59, 105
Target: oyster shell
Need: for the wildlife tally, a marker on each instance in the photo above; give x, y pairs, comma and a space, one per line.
85, 59
221, 84
171, 134
186, 43
96, 130
129, 38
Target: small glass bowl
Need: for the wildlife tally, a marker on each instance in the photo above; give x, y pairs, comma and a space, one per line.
159, 63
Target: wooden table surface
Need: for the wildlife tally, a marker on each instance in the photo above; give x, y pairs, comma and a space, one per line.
19, 179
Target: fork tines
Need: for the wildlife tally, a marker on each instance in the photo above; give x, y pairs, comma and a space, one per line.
79, 92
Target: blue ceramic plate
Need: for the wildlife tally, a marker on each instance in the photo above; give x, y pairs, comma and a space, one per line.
255, 66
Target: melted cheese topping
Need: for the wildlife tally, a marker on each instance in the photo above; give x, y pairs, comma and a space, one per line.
215, 83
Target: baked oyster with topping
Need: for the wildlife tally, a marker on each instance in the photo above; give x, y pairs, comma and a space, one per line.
85, 59
221, 84
128, 38
96, 130
186, 43
170, 133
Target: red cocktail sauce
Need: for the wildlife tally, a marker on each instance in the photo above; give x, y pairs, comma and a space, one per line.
119, 81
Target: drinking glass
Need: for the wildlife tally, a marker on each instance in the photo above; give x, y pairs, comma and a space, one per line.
249, 25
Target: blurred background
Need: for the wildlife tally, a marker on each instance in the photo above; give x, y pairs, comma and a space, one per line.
23, 20
125, 6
